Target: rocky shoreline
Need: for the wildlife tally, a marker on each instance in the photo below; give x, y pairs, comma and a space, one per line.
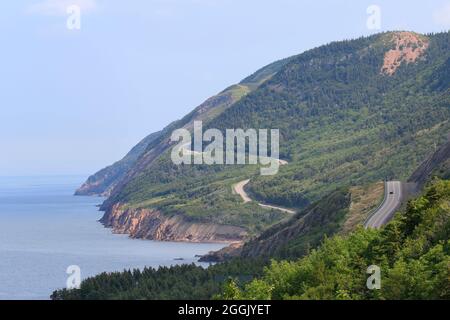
153, 225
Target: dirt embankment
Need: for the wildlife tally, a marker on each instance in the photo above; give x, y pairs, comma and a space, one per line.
364, 199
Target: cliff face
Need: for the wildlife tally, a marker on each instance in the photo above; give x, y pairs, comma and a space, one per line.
153, 225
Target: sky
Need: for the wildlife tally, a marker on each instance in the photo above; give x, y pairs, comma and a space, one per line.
73, 100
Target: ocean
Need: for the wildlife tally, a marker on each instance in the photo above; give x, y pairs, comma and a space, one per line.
44, 229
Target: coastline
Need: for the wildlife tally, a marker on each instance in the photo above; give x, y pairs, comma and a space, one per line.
151, 224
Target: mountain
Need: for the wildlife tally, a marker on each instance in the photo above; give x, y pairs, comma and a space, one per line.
102, 182
349, 113
105, 180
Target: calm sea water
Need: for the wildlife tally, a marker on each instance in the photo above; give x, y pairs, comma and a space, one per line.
44, 229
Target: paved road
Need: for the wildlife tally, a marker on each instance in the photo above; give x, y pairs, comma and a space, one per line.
239, 189
392, 200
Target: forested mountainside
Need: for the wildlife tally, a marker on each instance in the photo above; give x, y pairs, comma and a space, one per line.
349, 113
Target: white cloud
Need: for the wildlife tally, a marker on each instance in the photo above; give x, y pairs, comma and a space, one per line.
59, 7
442, 16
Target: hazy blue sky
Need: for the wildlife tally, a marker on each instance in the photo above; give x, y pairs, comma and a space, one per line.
75, 101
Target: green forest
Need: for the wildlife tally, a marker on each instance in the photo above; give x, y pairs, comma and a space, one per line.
412, 252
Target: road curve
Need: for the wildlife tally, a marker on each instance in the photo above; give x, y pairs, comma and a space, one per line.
391, 202
239, 189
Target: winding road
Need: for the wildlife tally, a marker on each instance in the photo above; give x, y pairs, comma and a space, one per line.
382, 215
239, 189
392, 200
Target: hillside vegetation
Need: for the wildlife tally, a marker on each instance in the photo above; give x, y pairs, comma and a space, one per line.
342, 120
412, 251
185, 282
